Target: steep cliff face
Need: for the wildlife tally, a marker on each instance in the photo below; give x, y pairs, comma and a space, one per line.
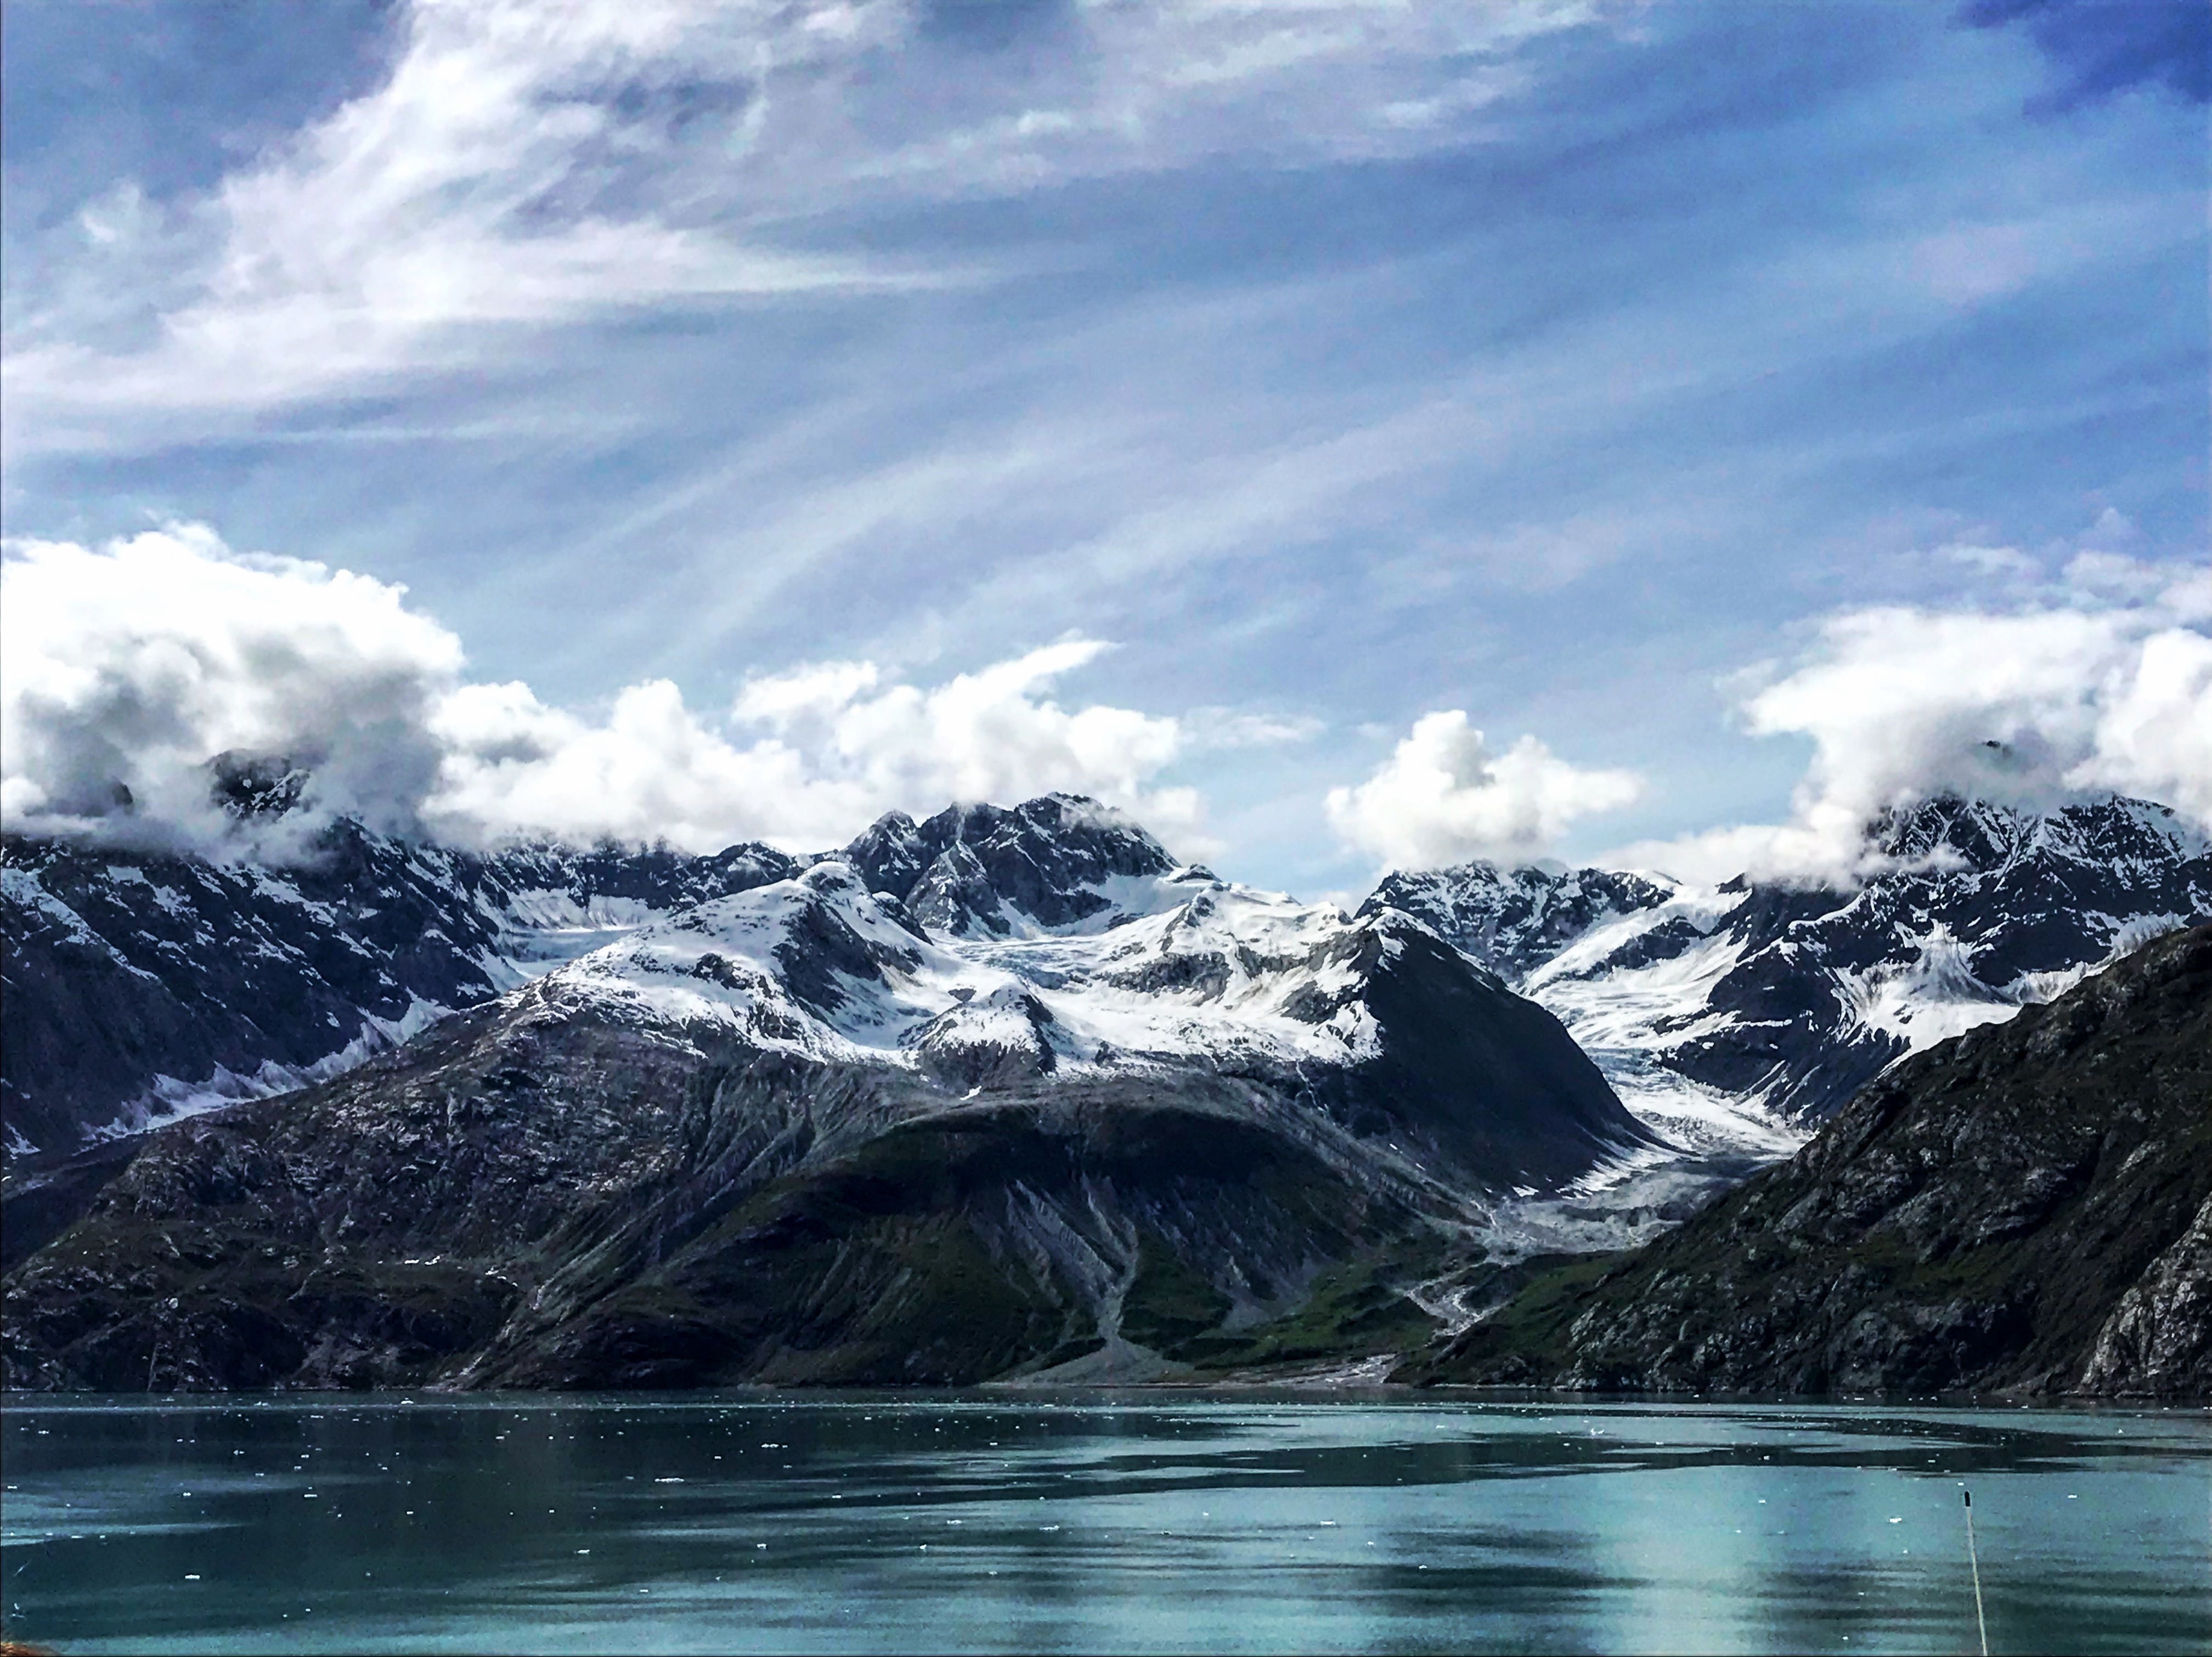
786, 1134
1051, 864
2023, 1208
138, 983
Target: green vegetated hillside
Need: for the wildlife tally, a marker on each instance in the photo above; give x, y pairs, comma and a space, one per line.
2025, 1209
520, 1200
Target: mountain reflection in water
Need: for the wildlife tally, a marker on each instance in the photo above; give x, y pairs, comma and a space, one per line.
1094, 1522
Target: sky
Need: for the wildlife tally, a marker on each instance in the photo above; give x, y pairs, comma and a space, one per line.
1346, 434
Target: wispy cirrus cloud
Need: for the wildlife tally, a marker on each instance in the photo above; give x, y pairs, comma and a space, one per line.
503, 174
523, 165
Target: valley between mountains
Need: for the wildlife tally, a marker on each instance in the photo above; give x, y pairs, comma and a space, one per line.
1009, 1095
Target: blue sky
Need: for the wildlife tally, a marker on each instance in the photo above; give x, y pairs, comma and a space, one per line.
1580, 367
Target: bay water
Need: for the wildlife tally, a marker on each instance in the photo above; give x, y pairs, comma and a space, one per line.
1095, 1522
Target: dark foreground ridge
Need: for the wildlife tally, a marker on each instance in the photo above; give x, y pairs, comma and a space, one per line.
2025, 1209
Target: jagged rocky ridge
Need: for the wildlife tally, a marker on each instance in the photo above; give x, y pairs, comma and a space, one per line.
787, 1134
140, 984
2026, 1208
1712, 1009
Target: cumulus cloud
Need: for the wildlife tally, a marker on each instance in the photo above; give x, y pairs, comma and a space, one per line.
1443, 796
804, 759
2106, 690
124, 668
2095, 681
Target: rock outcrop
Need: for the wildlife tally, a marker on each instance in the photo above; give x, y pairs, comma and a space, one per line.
2023, 1209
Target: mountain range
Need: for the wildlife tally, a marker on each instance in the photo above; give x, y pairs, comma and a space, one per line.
1715, 1009
142, 986
1114, 1108
1004, 1092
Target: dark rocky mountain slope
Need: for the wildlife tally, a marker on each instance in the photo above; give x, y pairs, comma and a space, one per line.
787, 1135
138, 984
2028, 1208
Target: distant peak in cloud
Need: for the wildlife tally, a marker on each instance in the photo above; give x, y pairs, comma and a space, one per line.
2109, 691
148, 688
2098, 49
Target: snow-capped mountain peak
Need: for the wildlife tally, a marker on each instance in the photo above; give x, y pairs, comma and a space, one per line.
817, 963
1513, 920
1720, 1009
1377, 1013
1050, 864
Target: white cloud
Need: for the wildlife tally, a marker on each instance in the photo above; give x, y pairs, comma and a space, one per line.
805, 759
2003, 563
134, 663
2097, 683
1224, 727
524, 165
1443, 796
487, 181
2030, 707
1968, 264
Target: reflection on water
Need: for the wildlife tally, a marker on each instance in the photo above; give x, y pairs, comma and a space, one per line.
1095, 1522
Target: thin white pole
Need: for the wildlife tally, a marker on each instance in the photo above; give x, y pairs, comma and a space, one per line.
1974, 1559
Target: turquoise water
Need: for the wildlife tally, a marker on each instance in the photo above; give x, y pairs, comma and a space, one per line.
1095, 1522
